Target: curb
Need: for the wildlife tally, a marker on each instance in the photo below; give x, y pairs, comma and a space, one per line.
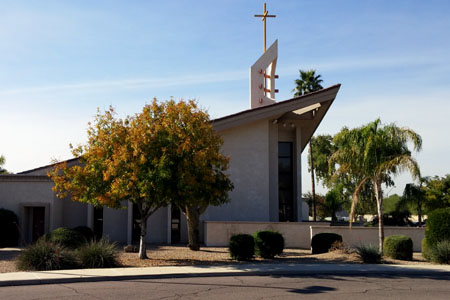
295, 270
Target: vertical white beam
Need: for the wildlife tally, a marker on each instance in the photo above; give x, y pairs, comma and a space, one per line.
298, 181
130, 223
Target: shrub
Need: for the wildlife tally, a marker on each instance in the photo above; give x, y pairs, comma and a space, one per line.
440, 252
98, 254
426, 254
398, 247
86, 232
242, 247
43, 256
66, 237
268, 243
321, 242
438, 226
9, 233
369, 254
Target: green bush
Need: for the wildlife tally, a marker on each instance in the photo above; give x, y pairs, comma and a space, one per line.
322, 242
438, 226
426, 254
86, 232
98, 254
9, 232
43, 256
66, 237
440, 252
398, 247
268, 243
242, 246
369, 254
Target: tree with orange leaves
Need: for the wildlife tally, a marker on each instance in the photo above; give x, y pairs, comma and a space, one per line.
142, 159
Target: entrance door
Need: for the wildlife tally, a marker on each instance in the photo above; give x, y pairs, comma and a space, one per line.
98, 222
38, 222
175, 225
285, 182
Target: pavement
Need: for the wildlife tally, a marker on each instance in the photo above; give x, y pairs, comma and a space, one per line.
112, 274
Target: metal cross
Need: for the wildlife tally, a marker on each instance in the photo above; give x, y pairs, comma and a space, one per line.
263, 18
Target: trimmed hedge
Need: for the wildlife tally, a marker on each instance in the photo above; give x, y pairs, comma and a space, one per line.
426, 250
86, 232
322, 242
9, 232
66, 237
268, 244
438, 226
398, 247
242, 247
440, 253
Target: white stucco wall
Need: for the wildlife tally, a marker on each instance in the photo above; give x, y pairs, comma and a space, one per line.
248, 148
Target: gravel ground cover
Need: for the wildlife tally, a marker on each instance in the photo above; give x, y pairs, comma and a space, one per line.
182, 256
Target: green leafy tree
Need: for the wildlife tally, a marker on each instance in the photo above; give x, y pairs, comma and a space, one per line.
322, 149
375, 153
437, 192
335, 200
414, 195
307, 83
2, 163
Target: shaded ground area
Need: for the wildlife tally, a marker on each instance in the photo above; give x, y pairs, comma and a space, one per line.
182, 256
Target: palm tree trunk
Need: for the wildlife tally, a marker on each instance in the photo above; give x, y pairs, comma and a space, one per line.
313, 185
142, 246
379, 197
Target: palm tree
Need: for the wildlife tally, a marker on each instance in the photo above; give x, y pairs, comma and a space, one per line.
376, 153
308, 83
415, 195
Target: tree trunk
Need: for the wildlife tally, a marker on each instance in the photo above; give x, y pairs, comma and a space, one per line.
142, 247
313, 185
193, 220
379, 196
419, 213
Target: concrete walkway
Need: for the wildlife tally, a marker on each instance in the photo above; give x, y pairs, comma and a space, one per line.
83, 275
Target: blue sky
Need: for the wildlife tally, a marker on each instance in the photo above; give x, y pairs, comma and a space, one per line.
61, 60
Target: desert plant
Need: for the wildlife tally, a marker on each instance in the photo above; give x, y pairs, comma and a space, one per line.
242, 247
66, 237
44, 255
9, 232
321, 242
369, 254
426, 251
98, 254
86, 232
268, 243
438, 226
440, 252
398, 247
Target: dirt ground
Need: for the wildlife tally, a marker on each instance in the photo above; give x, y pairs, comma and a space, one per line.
182, 256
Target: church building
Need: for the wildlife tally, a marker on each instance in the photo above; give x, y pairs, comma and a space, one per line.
264, 144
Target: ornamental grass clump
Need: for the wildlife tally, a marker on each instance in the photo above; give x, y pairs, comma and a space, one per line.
44, 255
440, 253
369, 254
98, 254
268, 244
241, 247
398, 247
